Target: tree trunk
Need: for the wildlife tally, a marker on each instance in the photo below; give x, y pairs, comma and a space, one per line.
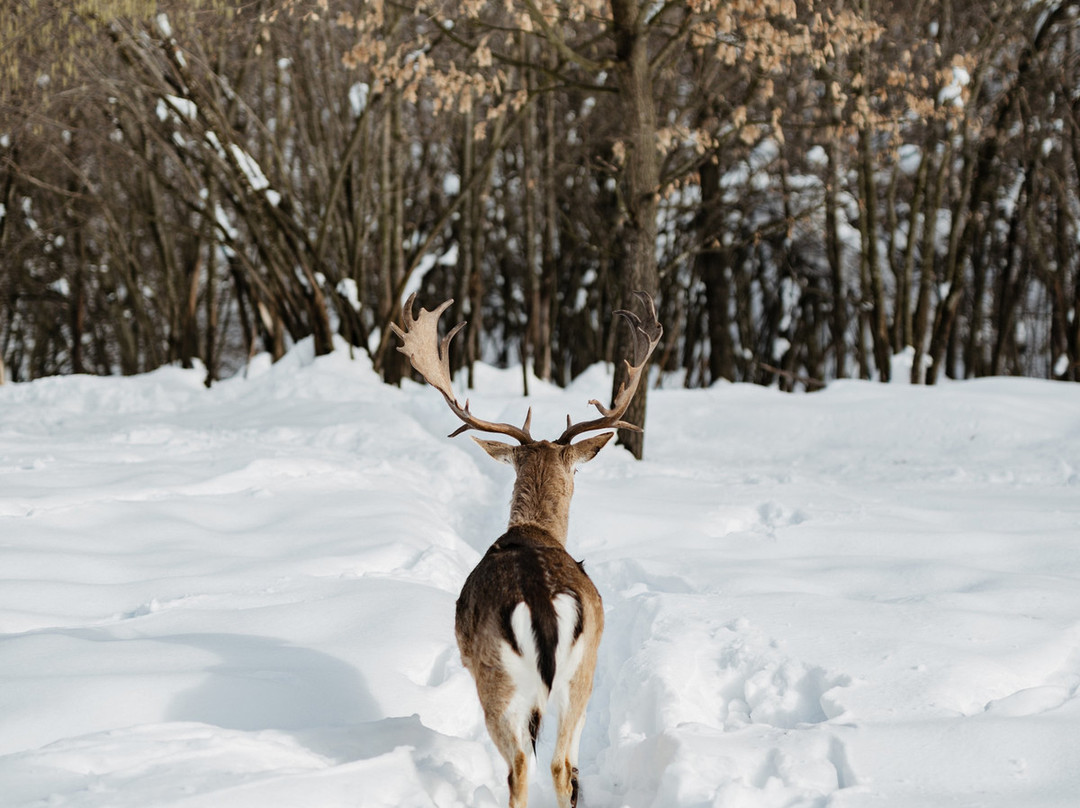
838, 321
903, 320
210, 343
640, 180
874, 287
548, 248
928, 262
391, 226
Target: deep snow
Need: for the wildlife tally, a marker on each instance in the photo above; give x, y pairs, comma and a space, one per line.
243, 597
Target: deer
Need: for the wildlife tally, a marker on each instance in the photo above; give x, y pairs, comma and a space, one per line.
528, 620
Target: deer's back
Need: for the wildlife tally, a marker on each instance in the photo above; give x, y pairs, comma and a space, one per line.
525, 565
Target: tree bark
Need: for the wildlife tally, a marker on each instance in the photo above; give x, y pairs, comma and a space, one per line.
639, 186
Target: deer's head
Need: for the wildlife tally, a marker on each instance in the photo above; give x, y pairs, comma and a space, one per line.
544, 468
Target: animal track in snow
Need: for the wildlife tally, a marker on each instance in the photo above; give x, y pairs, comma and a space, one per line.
781, 693
763, 686
756, 681
763, 519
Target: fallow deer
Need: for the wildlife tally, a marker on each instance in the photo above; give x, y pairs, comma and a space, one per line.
528, 621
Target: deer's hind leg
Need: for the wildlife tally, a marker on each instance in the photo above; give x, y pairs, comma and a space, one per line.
512, 724
508, 742
573, 696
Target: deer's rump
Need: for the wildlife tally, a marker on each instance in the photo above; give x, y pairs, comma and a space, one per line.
524, 566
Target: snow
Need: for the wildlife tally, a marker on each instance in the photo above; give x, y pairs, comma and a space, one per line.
910, 158
450, 257
358, 98
428, 262
349, 290
251, 169
817, 157
243, 596
172, 107
451, 184
953, 92
751, 170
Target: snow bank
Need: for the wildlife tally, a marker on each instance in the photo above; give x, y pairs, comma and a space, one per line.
863, 597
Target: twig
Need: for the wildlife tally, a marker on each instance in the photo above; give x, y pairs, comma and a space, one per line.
811, 383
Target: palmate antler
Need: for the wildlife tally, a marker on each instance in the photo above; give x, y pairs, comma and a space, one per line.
646, 337
430, 358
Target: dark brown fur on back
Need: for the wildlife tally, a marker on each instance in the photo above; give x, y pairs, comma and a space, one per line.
524, 565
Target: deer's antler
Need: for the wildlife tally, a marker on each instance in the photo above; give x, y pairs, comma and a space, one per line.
431, 359
646, 336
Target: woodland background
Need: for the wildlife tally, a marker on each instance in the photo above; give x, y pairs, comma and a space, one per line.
809, 188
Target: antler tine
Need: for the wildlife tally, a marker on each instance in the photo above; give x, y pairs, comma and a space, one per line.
646, 336
430, 357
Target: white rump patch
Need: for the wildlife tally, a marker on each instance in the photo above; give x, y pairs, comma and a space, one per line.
530, 693
568, 653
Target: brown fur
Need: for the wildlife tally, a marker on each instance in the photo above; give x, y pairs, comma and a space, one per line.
529, 564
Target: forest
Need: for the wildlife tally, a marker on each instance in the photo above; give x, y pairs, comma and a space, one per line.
808, 188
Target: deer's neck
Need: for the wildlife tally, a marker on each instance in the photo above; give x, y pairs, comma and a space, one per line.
542, 504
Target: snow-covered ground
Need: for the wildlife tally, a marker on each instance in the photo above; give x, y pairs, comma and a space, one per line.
243, 597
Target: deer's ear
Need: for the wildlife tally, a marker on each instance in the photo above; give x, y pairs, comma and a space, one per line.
503, 452
585, 450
